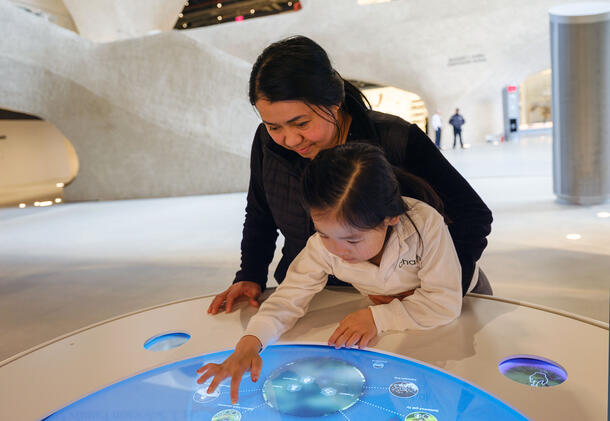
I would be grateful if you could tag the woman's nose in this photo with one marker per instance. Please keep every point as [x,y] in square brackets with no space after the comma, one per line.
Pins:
[292,139]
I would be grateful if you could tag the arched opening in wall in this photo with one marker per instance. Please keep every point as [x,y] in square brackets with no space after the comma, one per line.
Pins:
[391,100]
[36,161]
[535,100]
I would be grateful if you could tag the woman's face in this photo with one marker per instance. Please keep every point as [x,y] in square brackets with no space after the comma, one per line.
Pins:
[298,127]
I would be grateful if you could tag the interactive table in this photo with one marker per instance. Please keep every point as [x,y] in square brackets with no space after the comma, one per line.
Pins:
[499,361]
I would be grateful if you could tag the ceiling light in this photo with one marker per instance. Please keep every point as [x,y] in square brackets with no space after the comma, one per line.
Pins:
[573,236]
[289,4]
[252,11]
[58,200]
[36,203]
[603,214]
[22,205]
[59,185]
[219,18]
[184,25]
[180,15]
[45,203]
[219,5]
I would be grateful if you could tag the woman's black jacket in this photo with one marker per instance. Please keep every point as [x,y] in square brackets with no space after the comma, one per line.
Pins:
[273,200]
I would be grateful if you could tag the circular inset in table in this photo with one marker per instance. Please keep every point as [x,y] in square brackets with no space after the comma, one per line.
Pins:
[314,387]
[166,341]
[227,415]
[420,416]
[533,371]
[403,389]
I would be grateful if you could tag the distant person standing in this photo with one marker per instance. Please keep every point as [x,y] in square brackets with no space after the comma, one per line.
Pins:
[457,121]
[437,125]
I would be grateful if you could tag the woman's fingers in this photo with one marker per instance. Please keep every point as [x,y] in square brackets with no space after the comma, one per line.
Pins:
[217,302]
[234,293]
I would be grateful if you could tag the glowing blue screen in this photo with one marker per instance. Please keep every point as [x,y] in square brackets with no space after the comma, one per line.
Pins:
[298,382]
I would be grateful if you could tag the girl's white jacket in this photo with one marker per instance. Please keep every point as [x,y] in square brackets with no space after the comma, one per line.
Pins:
[430,266]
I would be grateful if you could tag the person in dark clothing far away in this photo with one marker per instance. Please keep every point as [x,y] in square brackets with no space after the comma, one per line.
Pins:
[306,107]
[457,121]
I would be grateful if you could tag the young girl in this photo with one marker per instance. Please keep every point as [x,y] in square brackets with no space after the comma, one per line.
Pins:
[367,235]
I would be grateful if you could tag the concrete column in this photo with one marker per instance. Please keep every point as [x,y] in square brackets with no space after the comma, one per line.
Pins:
[580,61]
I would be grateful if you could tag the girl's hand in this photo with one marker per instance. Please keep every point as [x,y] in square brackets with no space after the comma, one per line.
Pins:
[244,358]
[357,328]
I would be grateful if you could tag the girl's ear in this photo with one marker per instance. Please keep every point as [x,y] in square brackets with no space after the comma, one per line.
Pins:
[391,221]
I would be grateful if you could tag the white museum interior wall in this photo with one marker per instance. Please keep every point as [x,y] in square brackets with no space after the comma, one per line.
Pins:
[168,115]
[36,161]
[156,116]
[53,11]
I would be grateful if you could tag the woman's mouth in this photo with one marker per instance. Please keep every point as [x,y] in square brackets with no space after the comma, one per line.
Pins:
[304,150]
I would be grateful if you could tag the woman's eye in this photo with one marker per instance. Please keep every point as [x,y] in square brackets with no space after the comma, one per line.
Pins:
[272,129]
[303,124]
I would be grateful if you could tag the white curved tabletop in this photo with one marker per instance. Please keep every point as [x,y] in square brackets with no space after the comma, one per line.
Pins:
[42,380]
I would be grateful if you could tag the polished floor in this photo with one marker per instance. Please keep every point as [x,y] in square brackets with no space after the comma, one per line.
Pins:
[71,265]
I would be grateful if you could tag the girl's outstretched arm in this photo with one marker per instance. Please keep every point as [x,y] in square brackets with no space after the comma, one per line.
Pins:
[244,358]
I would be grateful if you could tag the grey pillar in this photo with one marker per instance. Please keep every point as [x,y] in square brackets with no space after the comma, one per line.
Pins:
[580,61]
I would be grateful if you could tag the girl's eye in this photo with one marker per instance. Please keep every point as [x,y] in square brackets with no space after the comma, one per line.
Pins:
[303,124]
[272,129]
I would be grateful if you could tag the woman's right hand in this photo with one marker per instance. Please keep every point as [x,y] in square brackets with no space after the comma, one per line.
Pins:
[239,291]
[244,358]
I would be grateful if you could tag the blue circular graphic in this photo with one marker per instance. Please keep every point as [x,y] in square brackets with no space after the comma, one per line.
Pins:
[314,387]
[533,371]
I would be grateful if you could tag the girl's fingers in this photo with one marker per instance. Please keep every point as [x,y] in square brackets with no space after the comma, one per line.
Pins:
[354,338]
[235,381]
[366,339]
[255,369]
[205,376]
[342,339]
[338,332]
[205,367]
[217,379]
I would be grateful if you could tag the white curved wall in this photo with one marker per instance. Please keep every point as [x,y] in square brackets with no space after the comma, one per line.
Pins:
[111,20]
[157,116]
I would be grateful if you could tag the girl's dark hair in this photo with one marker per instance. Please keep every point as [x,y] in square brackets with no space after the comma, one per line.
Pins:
[357,182]
[297,68]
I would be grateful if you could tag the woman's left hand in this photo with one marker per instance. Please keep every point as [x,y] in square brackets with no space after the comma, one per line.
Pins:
[357,328]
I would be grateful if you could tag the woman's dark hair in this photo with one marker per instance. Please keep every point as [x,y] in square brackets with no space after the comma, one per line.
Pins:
[357,182]
[297,68]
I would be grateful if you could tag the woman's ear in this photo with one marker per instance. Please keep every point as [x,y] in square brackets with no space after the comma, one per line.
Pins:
[391,221]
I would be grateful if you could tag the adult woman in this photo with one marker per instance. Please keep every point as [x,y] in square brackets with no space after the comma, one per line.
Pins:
[306,107]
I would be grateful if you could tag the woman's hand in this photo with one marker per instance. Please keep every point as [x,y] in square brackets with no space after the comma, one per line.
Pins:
[244,358]
[357,328]
[240,291]
[386,299]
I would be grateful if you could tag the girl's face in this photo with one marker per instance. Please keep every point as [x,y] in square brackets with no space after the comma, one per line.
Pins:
[351,244]
[295,125]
